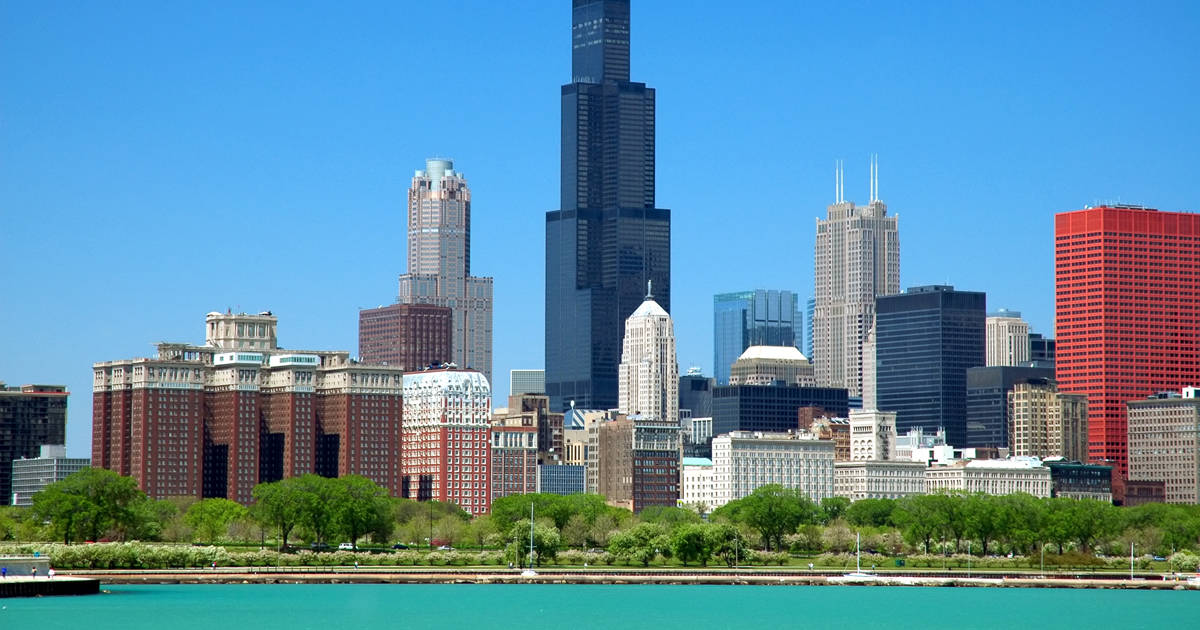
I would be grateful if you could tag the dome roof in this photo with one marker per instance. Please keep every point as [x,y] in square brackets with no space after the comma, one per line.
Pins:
[649,308]
[777,353]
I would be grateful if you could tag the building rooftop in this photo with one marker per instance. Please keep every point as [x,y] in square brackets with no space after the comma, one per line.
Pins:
[777,353]
[697,461]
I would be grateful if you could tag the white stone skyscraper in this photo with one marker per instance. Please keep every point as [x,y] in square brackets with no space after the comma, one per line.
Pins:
[1007,338]
[648,377]
[439,262]
[857,258]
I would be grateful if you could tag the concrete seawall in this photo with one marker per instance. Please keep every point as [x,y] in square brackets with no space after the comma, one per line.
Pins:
[39,587]
[467,576]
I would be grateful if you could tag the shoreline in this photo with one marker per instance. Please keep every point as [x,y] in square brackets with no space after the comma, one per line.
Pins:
[372,575]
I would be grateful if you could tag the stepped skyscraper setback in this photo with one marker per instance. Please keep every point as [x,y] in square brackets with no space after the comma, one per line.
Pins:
[608,239]
[439,262]
[857,259]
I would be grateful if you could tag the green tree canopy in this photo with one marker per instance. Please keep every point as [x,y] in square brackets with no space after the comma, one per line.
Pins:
[771,510]
[210,518]
[89,503]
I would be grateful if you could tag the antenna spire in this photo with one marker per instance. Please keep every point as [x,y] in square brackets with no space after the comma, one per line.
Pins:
[649,293]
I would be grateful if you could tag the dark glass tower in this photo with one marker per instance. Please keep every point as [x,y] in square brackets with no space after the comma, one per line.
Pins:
[607,240]
[925,341]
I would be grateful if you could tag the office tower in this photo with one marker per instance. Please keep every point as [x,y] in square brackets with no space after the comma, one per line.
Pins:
[987,401]
[1164,444]
[771,408]
[445,438]
[533,410]
[772,365]
[514,467]
[648,375]
[1043,423]
[872,435]
[925,340]
[607,239]
[695,394]
[746,460]
[1007,338]
[762,317]
[1126,283]
[439,262]
[1041,350]
[560,478]
[638,463]
[31,475]
[857,259]
[30,416]
[526,382]
[407,336]
[810,306]
[217,419]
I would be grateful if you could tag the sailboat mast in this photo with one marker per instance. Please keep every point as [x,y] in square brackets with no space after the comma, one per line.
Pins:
[531,535]
[858,552]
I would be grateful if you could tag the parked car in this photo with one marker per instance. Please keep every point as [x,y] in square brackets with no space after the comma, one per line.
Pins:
[319,546]
[445,548]
[346,547]
[399,546]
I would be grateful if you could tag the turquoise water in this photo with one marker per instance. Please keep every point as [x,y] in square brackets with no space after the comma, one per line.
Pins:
[327,606]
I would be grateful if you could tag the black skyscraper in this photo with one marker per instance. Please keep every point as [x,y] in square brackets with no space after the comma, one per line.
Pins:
[925,341]
[608,239]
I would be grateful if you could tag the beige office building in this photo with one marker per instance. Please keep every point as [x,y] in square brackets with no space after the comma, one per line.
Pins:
[1045,423]
[1164,444]
[768,365]
[439,262]
[991,476]
[857,258]
[878,479]
[648,376]
[872,435]
[745,460]
[1007,338]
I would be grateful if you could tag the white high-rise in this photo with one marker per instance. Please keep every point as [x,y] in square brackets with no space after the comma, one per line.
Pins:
[648,377]
[857,258]
[439,262]
[1007,338]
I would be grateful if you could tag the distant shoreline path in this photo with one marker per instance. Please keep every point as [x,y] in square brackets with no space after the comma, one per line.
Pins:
[467,575]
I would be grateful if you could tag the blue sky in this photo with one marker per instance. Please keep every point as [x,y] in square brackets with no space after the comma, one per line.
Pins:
[162,160]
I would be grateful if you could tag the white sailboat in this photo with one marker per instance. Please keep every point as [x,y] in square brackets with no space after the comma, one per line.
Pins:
[529,572]
[858,572]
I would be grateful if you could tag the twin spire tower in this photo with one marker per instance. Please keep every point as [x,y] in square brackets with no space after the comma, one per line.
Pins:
[839,180]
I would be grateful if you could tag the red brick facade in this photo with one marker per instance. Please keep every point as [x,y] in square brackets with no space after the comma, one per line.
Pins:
[407,336]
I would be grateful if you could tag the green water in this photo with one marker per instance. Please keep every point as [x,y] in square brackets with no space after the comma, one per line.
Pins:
[327,606]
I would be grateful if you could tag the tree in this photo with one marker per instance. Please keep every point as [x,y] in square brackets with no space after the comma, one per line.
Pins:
[773,511]
[360,506]
[88,502]
[871,512]
[832,508]
[575,532]
[691,542]
[837,537]
[546,542]
[727,543]
[668,516]
[278,504]
[319,497]
[917,518]
[210,518]
[985,518]
[642,543]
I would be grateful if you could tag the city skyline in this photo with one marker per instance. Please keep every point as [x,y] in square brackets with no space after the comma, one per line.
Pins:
[201,145]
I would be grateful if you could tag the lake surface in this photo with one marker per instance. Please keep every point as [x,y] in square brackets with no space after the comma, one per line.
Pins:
[575,606]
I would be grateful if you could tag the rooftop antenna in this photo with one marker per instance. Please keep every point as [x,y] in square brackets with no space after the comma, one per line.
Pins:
[649,294]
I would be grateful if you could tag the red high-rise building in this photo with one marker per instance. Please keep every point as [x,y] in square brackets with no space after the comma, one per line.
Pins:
[215,420]
[406,336]
[1127,310]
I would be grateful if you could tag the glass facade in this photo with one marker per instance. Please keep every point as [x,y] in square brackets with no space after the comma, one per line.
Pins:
[926,339]
[987,401]
[607,240]
[559,479]
[762,317]
[770,407]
